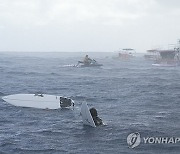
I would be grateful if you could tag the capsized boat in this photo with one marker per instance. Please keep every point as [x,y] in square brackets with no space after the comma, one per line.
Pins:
[41,101]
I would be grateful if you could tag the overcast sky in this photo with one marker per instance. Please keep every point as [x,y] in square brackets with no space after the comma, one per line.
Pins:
[88,25]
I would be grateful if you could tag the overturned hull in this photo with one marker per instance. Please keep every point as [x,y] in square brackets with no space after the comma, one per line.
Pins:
[41,101]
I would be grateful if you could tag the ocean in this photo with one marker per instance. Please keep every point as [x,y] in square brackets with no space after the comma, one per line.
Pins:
[130,96]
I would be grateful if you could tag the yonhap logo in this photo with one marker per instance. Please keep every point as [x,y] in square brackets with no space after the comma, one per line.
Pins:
[133,140]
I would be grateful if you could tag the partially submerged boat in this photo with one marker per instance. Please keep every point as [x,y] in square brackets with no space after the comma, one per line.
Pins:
[41,101]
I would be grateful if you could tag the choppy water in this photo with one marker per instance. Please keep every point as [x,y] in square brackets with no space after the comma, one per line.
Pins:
[130,96]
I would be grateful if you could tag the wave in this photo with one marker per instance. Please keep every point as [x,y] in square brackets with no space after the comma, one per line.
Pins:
[39,151]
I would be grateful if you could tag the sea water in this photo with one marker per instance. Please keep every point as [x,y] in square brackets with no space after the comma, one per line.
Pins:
[130,96]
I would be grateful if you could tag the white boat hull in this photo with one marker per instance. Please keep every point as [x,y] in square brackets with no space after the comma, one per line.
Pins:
[41,101]
[86,116]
